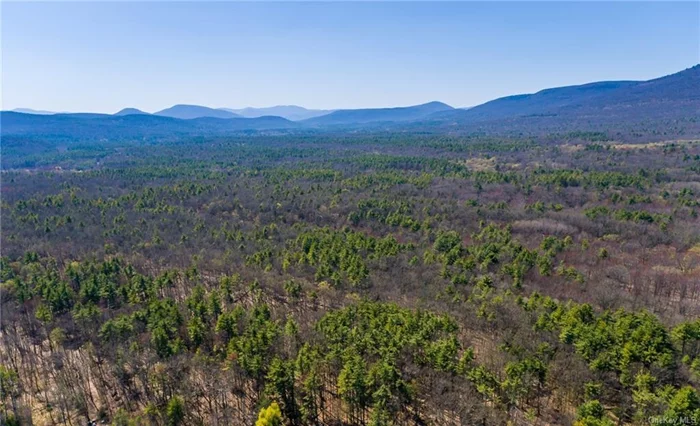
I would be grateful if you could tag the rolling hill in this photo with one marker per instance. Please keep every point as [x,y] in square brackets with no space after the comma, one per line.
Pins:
[33,111]
[290,112]
[377,115]
[588,106]
[131,111]
[69,127]
[547,101]
[187,112]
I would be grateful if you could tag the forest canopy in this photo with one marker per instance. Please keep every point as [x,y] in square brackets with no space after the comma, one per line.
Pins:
[352,279]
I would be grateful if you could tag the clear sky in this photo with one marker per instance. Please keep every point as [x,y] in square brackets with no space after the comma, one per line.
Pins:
[97,56]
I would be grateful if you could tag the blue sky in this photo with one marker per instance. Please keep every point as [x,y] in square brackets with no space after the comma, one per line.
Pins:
[97,56]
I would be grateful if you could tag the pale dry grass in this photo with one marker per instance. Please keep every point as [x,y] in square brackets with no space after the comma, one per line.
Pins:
[480,164]
[569,148]
[544,226]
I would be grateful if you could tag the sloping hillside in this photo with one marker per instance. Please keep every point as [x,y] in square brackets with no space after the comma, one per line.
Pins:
[671,102]
[132,126]
[131,111]
[187,112]
[370,115]
[676,94]
[290,112]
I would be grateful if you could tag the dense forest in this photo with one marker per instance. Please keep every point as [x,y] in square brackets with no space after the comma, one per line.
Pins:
[365,278]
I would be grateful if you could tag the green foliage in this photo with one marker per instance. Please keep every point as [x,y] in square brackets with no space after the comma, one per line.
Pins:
[592,413]
[9,383]
[685,403]
[175,411]
[687,335]
[385,211]
[270,416]
[639,216]
[251,349]
[280,385]
[616,341]
[371,372]
[447,241]
[339,256]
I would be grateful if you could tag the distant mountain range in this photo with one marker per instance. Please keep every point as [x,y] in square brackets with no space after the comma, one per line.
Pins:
[129,126]
[33,111]
[593,105]
[671,99]
[290,112]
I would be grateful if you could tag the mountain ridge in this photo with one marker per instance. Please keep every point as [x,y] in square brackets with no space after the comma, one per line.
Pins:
[290,112]
[130,126]
[187,112]
[33,111]
[378,115]
[130,111]
[674,95]
[611,105]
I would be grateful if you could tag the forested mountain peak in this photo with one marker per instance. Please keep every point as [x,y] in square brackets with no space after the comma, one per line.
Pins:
[130,111]
[194,111]
[372,115]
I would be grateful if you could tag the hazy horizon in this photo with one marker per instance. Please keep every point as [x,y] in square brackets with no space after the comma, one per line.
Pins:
[102,57]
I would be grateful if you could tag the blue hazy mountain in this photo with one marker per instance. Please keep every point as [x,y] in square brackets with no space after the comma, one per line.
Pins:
[33,111]
[131,111]
[545,101]
[670,97]
[290,112]
[375,115]
[68,127]
[601,105]
[187,112]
